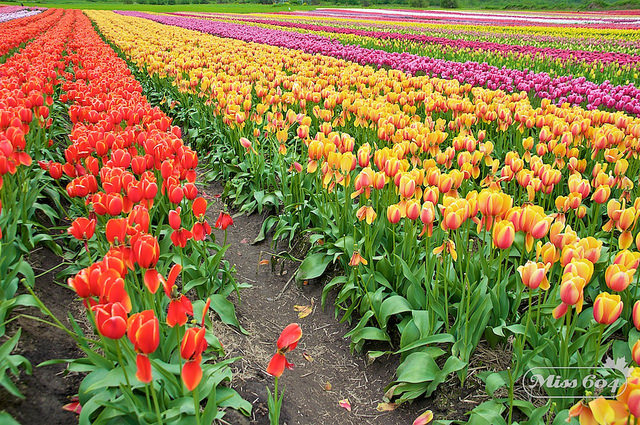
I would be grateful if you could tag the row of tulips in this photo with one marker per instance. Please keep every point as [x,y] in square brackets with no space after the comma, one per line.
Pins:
[18,31]
[452,225]
[28,126]
[21,13]
[569,21]
[454,50]
[564,89]
[595,41]
[139,226]
[532,52]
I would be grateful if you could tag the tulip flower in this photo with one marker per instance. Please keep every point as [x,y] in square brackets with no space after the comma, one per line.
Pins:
[357,259]
[116,230]
[224,220]
[191,349]
[366,213]
[144,333]
[174,218]
[146,250]
[618,277]
[607,308]
[287,341]
[636,315]
[534,275]
[179,306]
[424,418]
[111,320]
[503,234]
[393,214]
[82,228]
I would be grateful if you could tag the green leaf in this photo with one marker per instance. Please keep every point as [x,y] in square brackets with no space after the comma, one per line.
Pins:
[7,419]
[313,266]
[433,339]
[495,381]
[393,305]
[487,413]
[226,310]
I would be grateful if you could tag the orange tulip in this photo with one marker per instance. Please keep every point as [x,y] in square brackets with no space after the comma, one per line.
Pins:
[393,214]
[618,277]
[607,308]
[503,234]
[366,213]
[534,275]
[636,315]
[357,259]
[413,209]
[635,353]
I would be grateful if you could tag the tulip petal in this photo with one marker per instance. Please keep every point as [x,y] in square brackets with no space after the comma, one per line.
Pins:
[276,365]
[424,419]
[344,403]
[191,374]
[290,336]
[144,368]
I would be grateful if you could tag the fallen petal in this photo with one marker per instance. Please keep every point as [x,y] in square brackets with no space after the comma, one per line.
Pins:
[386,407]
[303,310]
[344,403]
[73,407]
[424,419]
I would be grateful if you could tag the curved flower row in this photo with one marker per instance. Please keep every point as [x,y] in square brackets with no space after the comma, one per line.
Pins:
[609,33]
[18,31]
[21,13]
[535,53]
[590,42]
[473,18]
[594,71]
[575,91]
[27,81]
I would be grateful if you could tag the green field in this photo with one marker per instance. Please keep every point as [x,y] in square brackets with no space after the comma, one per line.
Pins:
[395,4]
[216,7]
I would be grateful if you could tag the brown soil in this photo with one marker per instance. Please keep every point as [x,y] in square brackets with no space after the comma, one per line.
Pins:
[49,387]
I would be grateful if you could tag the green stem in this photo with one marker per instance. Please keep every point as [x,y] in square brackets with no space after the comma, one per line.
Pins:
[124,369]
[196,404]
[155,403]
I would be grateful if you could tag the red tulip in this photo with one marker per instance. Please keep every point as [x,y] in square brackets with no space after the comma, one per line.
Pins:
[174,218]
[287,341]
[179,306]
[191,349]
[82,228]
[144,331]
[111,320]
[146,250]
[199,207]
[117,230]
[224,220]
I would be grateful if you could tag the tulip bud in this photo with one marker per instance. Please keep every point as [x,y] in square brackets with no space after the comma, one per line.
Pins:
[635,354]
[503,234]
[607,308]
[393,214]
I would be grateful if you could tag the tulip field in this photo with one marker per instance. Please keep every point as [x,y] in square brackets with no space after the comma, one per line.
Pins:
[460,187]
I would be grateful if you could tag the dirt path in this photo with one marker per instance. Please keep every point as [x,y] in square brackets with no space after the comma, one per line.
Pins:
[49,387]
[264,311]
